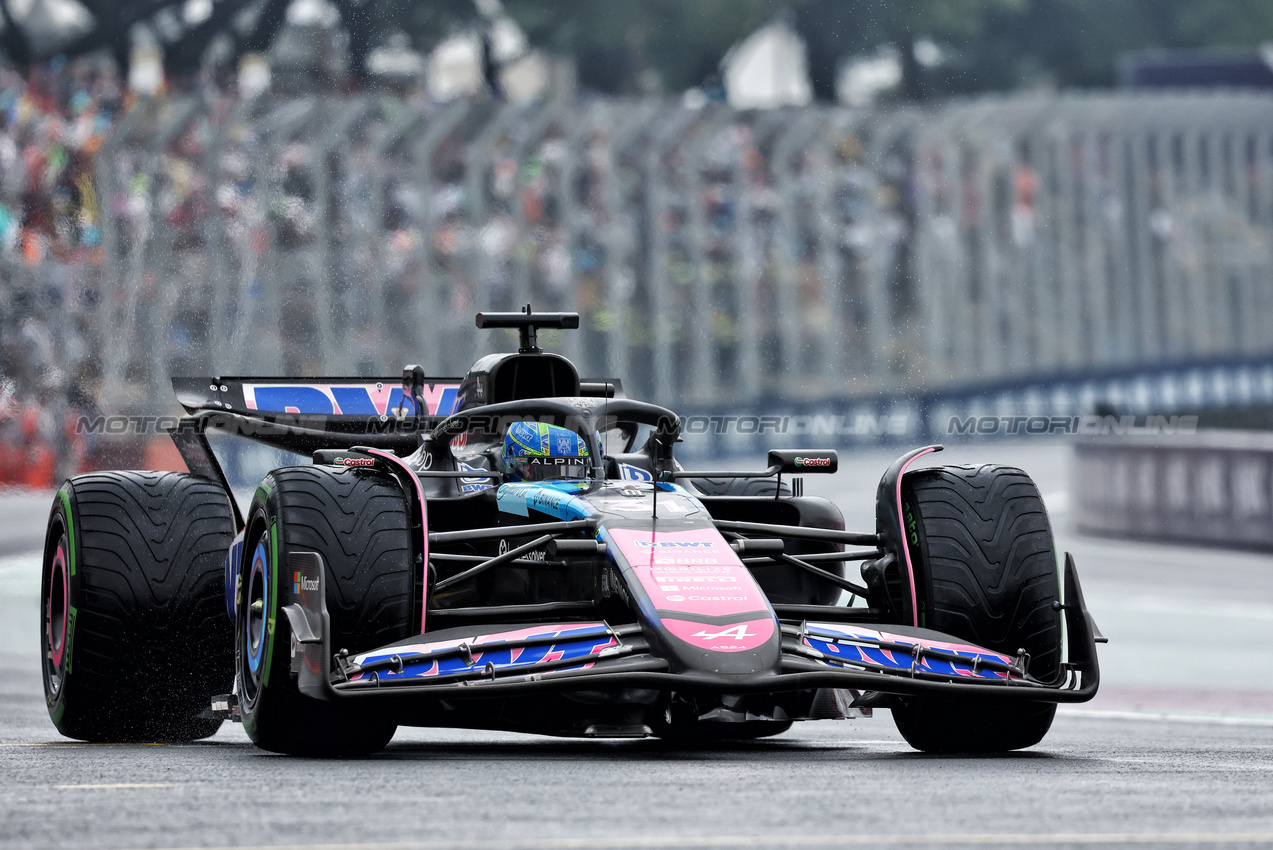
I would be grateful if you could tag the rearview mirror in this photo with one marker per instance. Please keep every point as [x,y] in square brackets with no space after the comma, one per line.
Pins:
[796,461]
[659,445]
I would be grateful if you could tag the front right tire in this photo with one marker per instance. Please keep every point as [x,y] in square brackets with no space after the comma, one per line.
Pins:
[357,522]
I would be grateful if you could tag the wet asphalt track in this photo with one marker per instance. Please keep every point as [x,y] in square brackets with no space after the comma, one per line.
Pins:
[1176,751]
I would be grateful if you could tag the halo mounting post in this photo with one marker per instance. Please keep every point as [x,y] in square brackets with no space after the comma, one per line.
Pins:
[528,324]
[412,388]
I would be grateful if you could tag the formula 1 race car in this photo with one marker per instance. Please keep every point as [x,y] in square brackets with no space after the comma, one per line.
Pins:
[520,550]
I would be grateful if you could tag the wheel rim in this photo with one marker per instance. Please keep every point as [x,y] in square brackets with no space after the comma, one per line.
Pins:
[255,621]
[57,609]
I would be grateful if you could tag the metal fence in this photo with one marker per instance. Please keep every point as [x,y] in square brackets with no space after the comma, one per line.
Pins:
[1210,489]
[1083,232]
[716,256]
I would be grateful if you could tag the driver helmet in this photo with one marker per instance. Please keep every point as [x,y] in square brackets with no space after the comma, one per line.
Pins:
[536,451]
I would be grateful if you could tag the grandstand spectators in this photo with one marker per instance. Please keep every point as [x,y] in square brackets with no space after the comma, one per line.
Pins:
[716,256]
[52,124]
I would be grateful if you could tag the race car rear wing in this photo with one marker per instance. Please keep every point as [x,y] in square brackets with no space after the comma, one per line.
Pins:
[341,404]
[348,399]
[305,415]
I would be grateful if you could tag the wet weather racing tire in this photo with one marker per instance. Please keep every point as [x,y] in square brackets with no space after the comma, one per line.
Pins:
[986,572]
[135,640]
[357,522]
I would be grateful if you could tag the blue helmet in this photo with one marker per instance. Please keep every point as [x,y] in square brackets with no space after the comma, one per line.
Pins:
[535,451]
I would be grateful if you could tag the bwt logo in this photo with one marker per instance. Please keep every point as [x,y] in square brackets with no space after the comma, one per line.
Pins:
[378,399]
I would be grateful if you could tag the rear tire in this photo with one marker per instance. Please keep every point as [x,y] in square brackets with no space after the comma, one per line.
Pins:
[358,523]
[135,639]
[985,571]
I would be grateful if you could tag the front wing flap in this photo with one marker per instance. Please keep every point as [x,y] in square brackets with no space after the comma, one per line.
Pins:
[596,655]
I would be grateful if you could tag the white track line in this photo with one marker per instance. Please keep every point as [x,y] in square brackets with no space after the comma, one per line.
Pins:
[656,841]
[114,785]
[1169,717]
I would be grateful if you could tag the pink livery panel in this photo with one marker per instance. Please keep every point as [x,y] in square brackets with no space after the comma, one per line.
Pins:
[696,574]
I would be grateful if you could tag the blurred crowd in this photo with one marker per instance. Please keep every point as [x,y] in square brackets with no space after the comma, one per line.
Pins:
[350,235]
[52,124]
[200,233]
[716,257]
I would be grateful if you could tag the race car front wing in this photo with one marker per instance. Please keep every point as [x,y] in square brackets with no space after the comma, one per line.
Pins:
[596,655]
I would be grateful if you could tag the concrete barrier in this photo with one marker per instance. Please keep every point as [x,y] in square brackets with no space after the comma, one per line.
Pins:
[1212,487]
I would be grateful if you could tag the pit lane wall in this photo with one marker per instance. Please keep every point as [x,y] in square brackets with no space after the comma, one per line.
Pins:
[1212,488]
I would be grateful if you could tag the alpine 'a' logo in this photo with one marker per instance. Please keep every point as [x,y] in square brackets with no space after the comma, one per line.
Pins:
[737,632]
